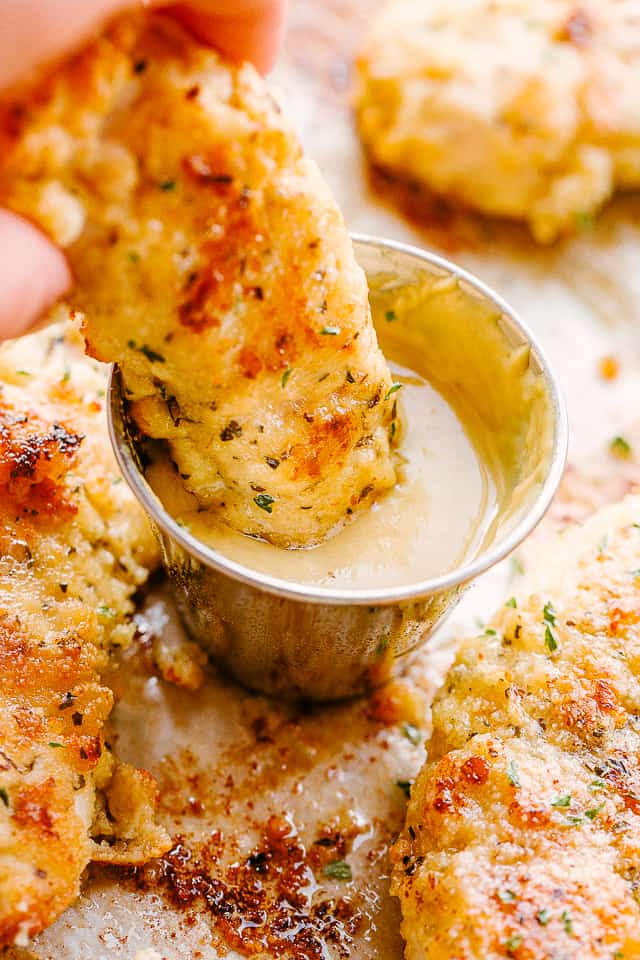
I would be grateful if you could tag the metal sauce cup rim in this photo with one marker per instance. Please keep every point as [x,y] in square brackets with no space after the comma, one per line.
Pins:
[378,596]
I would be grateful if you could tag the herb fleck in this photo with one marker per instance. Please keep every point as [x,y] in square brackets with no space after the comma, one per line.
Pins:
[104,611]
[405,786]
[150,354]
[597,784]
[4,796]
[285,377]
[264,501]
[330,331]
[231,431]
[543,916]
[513,776]
[167,185]
[550,641]
[567,921]
[511,602]
[563,801]
[573,820]
[338,870]
[507,896]
[549,613]
[412,733]
[513,943]
[390,392]
[54,744]
[620,448]
[390,316]
[583,220]
[594,811]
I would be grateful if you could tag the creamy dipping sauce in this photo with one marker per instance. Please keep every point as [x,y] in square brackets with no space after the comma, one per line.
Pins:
[438,514]
[473,442]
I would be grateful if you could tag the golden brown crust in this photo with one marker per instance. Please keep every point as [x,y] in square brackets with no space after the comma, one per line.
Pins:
[518,112]
[66,581]
[523,830]
[212,263]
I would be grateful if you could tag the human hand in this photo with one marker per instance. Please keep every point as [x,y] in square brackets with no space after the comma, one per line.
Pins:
[34,273]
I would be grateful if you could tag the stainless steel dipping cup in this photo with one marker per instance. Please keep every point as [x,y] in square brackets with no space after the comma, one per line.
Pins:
[314,642]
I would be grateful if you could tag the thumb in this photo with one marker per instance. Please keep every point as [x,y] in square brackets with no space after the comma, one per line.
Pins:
[33,274]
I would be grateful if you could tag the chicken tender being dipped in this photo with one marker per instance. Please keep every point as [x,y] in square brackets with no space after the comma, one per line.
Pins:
[518,110]
[522,836]
[213,265]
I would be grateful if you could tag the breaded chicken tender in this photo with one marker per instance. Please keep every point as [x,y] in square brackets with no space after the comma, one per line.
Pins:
[74,547]
[522,836]
[523,110]
[212,263]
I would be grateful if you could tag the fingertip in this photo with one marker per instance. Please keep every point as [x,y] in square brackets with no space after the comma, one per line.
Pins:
[33,274]
[242,30]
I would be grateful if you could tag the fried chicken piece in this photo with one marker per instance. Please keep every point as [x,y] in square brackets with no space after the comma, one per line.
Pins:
[523,111]
[522,836]
[74,547]
[212,263]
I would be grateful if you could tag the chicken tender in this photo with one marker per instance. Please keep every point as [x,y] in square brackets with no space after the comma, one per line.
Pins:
[520,110]
[212,263]
[522,836]
[74,547]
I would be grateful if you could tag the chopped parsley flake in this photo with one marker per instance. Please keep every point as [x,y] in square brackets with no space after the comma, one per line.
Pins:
[620,448]
[383,642]
[394,389]
[412,733]
[549,613]
[24,373]
[338,870]
[513,943]
[285,377]
[264,501]
[390,316]
[54,744]
[490,632]
[597,784]
[405,786]
[105,611]
[330,331]
[563,801]
[594,811]
[550,641]
[507,896]
[150,354]
[567,921]
[604,543]
[134,256]
[543,916]
[513,776]
[583,220]
[167,185]
[573,821]
[4,796]
[66,376]
[511,602]
[517,567]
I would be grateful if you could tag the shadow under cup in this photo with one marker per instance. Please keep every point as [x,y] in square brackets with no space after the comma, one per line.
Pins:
[315,642]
